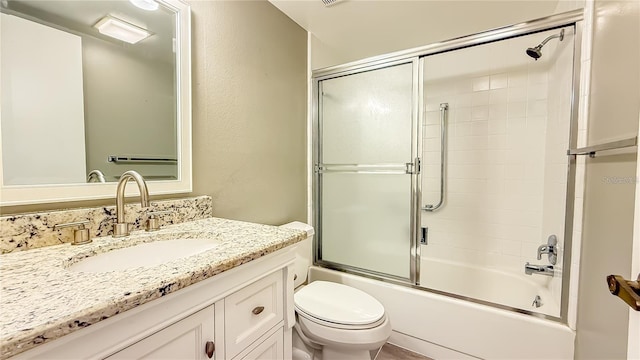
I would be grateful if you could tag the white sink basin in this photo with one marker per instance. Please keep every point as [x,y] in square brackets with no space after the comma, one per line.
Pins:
[145,254]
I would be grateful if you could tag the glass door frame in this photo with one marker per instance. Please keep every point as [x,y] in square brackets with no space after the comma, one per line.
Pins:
[570,18]
[415,180]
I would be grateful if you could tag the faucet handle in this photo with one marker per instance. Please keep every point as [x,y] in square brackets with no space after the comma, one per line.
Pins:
[152,223]
[542,249]
[81,235]
[549,248]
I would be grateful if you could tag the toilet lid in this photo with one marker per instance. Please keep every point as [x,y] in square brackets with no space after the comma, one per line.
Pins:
[338,303]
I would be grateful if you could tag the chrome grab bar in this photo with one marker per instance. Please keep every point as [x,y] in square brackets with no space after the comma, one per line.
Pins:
[444,107]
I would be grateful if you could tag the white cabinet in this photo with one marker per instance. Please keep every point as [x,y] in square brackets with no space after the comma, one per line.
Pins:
[251,312]
[186,339]
[245,313]
[271,348]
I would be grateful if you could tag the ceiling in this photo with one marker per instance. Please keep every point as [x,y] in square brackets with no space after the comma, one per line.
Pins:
[79,17]
[351,30]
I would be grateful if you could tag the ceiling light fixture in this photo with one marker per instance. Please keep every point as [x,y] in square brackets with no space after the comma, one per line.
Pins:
[331,2]
[121,30]
[149,5]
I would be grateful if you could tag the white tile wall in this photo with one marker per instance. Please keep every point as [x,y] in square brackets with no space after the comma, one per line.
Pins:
[506,160]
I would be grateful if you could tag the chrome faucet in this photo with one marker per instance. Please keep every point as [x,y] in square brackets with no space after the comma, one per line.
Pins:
[549,248]
[96,176]
[121,228]
[530,269]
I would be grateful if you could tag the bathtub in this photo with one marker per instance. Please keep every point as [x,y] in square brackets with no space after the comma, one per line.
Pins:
[489,285]
[442,327]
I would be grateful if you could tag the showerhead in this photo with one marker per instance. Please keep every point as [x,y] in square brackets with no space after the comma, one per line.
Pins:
[536,52]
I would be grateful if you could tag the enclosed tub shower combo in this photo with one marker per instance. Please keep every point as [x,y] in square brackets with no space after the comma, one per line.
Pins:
[443,184]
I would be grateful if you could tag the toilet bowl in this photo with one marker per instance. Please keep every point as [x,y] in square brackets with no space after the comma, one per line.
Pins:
[333,321]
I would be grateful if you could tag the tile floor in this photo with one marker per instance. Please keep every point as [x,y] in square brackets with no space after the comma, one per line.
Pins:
[392,352]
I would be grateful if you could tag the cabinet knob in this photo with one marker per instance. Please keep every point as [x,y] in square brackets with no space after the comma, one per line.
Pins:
[257,310]
[210,348]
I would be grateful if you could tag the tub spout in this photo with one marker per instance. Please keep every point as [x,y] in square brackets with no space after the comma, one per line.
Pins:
[531,269]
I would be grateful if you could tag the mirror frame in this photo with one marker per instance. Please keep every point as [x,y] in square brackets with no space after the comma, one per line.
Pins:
[36,194]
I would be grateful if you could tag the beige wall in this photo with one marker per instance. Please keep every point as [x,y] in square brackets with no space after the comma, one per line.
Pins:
[136,119]
[249,113]
[610,181]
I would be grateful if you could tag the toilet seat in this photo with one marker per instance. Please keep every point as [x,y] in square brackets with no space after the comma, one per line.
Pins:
[338,325]
[338,306]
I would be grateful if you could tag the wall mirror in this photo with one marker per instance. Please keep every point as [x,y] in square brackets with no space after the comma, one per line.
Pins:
[89,90]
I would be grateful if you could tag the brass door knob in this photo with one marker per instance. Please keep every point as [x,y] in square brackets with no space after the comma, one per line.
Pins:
[628,291]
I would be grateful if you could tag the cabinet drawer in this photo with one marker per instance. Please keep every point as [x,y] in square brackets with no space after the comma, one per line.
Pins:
[272,348]
[252,311]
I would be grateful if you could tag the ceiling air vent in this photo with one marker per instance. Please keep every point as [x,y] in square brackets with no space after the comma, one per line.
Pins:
[330,2]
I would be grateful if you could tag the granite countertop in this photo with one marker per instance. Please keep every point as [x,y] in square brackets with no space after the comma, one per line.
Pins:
[41,300]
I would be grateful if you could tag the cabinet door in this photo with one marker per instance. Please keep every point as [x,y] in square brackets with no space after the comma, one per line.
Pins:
[186,339]
[272,348]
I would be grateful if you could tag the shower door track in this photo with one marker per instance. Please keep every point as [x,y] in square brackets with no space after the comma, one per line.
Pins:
[416,55]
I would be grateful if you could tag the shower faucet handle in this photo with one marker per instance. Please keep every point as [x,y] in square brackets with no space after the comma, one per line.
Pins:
[549,248]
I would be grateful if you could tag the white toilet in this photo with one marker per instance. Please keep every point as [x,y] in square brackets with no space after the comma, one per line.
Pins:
[333,321]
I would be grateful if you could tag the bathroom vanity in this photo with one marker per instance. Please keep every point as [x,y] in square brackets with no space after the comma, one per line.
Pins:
[231,301]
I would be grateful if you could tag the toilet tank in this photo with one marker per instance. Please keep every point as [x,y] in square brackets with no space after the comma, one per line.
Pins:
[304,251]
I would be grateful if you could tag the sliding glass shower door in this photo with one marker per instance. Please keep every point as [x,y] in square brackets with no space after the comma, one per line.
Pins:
[365,170]
[446,168]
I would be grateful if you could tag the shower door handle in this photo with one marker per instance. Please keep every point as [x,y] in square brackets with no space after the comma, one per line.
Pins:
[371,169]
[414,167]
